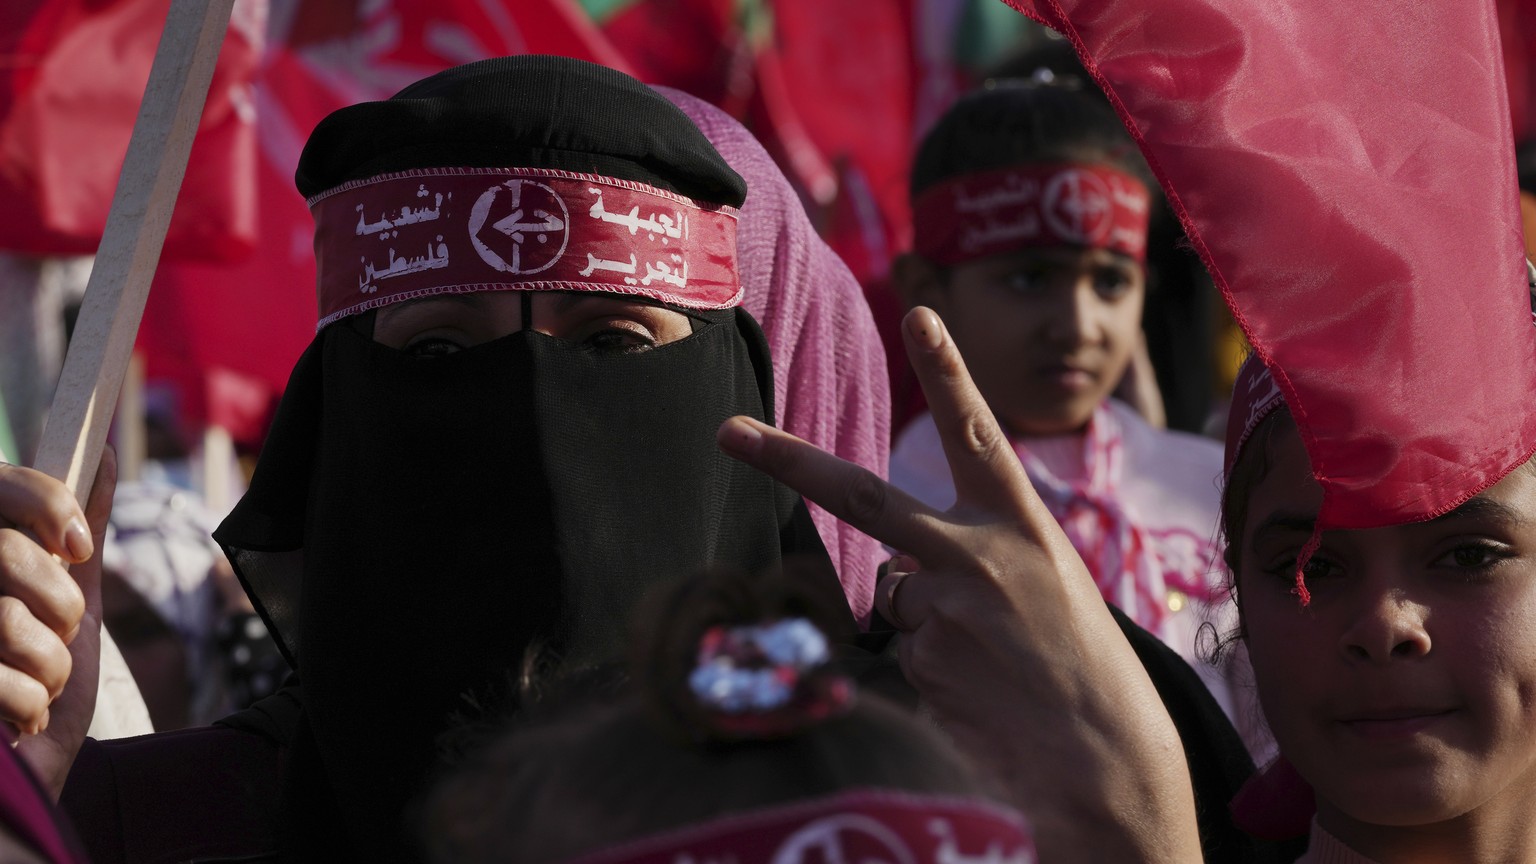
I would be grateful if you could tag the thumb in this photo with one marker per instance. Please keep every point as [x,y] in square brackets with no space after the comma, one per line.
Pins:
[51,753]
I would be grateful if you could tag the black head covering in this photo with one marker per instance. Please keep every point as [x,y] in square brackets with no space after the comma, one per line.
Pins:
[528,111]
[416,528]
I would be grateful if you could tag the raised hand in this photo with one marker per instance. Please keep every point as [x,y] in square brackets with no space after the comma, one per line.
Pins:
[1005,635]
[50,616]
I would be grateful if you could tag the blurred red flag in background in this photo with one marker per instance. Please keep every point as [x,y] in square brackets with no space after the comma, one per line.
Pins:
[839,122]
[72,74]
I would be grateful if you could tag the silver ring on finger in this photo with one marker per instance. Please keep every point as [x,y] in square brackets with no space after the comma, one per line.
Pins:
[891,596]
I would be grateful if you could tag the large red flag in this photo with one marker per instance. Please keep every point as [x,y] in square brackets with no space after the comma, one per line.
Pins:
[227,336]
[1346,171]
[72,74]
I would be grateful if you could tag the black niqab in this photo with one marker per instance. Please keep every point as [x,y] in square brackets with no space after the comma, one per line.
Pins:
[464,511]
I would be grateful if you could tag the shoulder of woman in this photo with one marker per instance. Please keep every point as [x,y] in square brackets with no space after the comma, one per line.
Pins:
[210,788]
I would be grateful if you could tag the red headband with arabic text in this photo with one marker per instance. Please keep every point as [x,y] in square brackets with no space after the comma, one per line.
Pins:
[417,233]
[861,825]
[1029,206]
[1255,395]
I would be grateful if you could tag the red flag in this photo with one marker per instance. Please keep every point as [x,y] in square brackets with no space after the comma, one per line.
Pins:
[703,47]
[72,75]
[782,66]
[823,79]
[227,336]
[1346,170]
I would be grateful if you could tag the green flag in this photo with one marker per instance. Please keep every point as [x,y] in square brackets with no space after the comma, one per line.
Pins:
[7,440]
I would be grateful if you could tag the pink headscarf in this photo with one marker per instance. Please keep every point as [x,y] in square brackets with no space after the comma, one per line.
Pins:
[829,373]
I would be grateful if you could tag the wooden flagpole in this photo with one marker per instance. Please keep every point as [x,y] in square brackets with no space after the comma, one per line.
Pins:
[76,429]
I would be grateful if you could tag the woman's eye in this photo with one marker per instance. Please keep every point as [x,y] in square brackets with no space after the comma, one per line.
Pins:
[619,340]
[432,346]
[1473,556]
[1317,568]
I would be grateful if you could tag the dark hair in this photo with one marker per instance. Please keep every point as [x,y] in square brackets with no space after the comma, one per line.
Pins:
[1019,121]
[577,781]
[1525,165]
[1249,470]
[1056,56]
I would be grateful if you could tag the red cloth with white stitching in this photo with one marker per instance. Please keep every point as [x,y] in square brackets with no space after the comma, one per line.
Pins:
[456,230]
[1028,206]
[859,825]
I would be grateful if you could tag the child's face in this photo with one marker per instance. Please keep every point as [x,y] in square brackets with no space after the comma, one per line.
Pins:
[1406,691]
[1046,333]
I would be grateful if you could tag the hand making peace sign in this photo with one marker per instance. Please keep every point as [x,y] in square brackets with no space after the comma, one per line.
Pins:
[1004,633]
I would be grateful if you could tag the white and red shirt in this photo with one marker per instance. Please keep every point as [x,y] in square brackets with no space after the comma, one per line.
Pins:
[1141,506]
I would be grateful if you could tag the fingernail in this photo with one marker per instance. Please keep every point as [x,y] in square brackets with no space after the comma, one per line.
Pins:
[926,328]
[738,437]
[77,540]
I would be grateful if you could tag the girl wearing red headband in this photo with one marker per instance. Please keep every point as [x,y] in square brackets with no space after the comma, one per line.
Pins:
[1395,669]
[1030,208]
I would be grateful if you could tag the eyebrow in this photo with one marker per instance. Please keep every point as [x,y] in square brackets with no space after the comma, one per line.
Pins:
[1484,509]
[470,300]
[1283,522]
[565,301]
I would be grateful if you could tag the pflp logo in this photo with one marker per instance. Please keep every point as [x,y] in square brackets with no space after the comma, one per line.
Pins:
[1262,381]
[1077,206]
[844,839]
[519,226]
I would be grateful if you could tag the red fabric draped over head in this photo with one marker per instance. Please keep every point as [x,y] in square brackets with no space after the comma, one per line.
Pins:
[1346,171]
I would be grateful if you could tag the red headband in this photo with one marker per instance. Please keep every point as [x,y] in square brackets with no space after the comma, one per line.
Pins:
[1029,206]
[1255,395]
[864,825]
[413,234]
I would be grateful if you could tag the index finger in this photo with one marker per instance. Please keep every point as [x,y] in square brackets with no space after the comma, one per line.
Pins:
[850,492]
[986,470]
[44,507]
